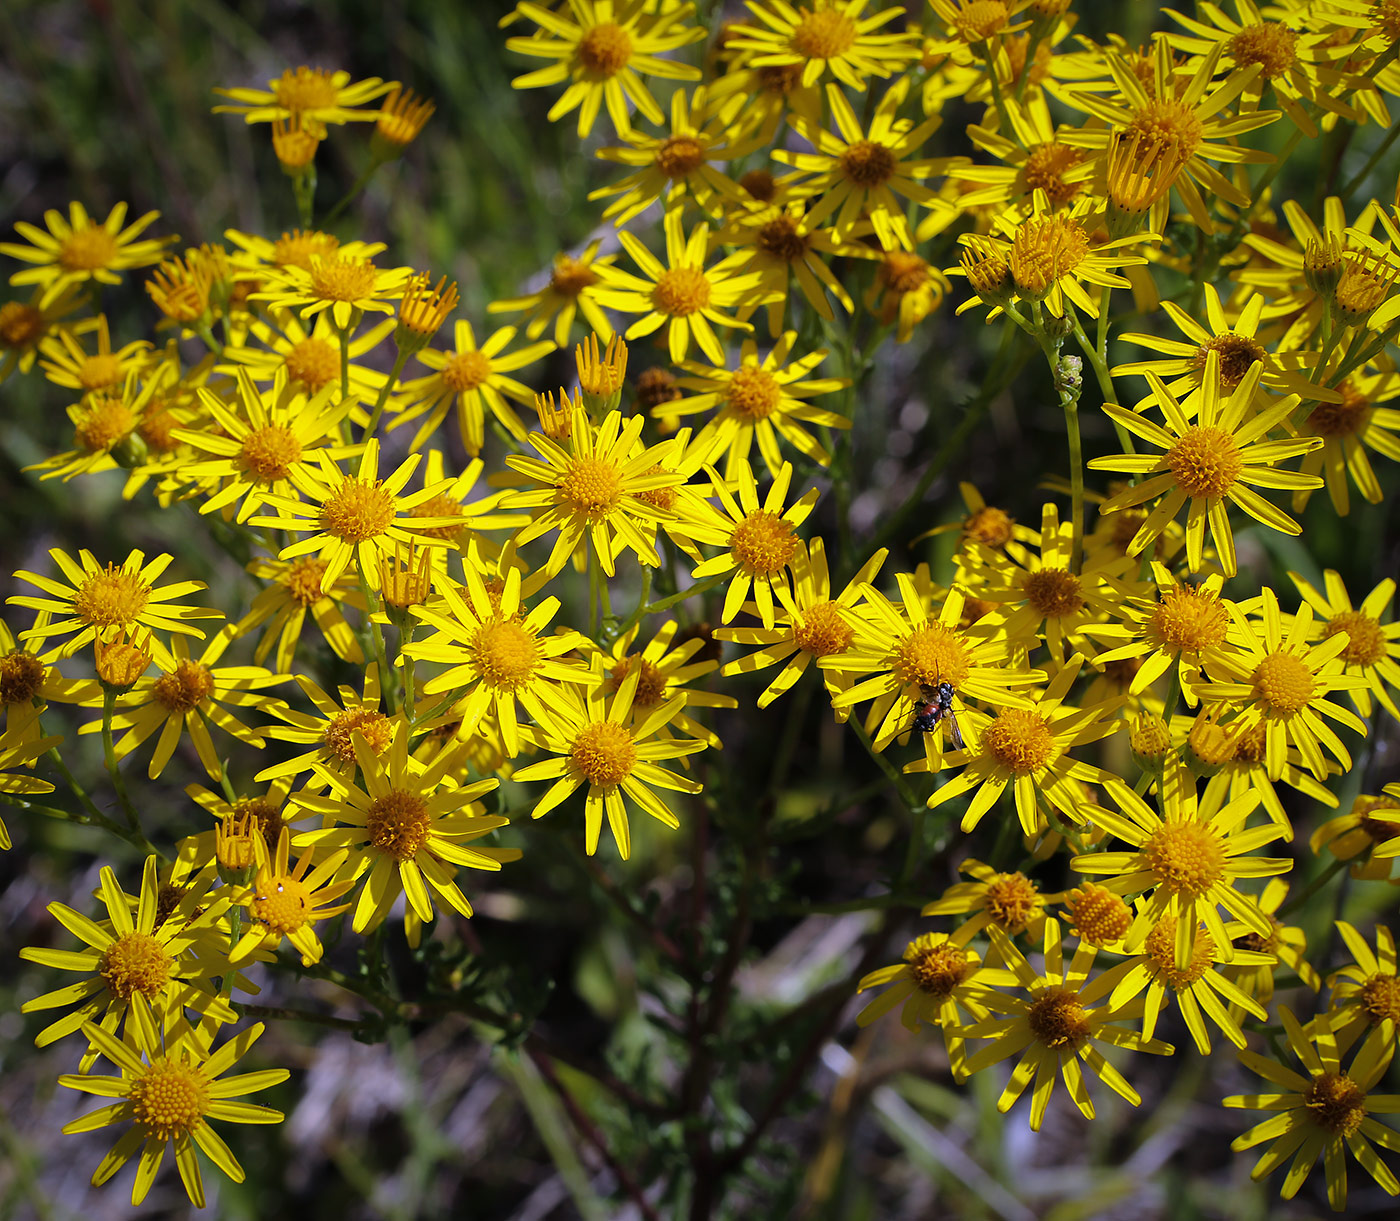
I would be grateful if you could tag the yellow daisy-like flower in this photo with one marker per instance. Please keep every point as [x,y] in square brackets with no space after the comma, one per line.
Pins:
[1054,1027]
[407,828]
[610,746]
[1348,429]
[1365,994]
[1011,902]
[1286,946]
[906,290]
[1189,858]
[475,377]
[823,36]
[684,296]
[760,541]
[108,426]
[759,401]
[1373,645]
[341,283]
[283,901]
[356,519]
[100,603]
[1218,459]
[496,652]
[1282,681]
[571,290]
[79,250]
[593,485]
[860,174]
[1325,1110]
[193,694]
[169,1092]
[1033,161]
[67,363]
[24,325]
[603,50]
[292,591]
[311,96]
[1368,834]
[134,964]
[308,357]
[256,255]
[815,626]
[20,744]
[938,980]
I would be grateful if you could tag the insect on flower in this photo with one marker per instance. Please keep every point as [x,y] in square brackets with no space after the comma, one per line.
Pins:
[937,706]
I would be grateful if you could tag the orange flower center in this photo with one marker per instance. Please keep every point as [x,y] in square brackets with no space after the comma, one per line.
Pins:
[1188,620]
[989,526]
[663,498]
[822,631]
[1057,1019]
[978,20]
[356,512]
[679,156]
[105,422]
[1206,462]
[779,236]
[271,452]
[763,543]
[305,89]
[753,392]
[466,371]
[185,687]
[1270,44]
[282,903]
[1053,592]
[656,386]
[507,655]
[604,50]
[98,371]
[342,279]
[1164,120]
[112,597]
[376,729]
[135,962]
[1187,858]
[1335,1103]
[680,292]
[605,753]
[21,677]
[651,686]
[313,362]
[826,34]
[592,487]
[1045,168]
[1012,901]
[868,163]
[302,247]
[929,655]
[937,965]
[302,580]
[570,276]
[1283,683]
[169,1100]
[1348,418]
[1043,250]
[87,249]
[1160,946]
[1237,353]
[1367,639]
[398,824]
[20,325]
[1020,738]
[1380,998]
[1099,916]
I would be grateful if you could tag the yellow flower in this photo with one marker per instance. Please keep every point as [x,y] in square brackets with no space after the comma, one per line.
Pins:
[312,96]
[1054,1026]
[107,427]
[293,590]
[603,52]
[356,519]
[100,603]
[823,36]
[1034,161]
[475,377]
[79,250]
[20,745]
[67,364]
[571,289]
[300,248]
[1373,646]
[24,325]
[1323,1110]
[134,964]
[401,119]
[1011,902]
[1208,464]
[683,295]
[308,356]
[604,745]
[859,174]
[759,401]
[407,828]
[1368,834]
[1366,993]
[1285,945]
[905,291]
[286,902]
[1348,429]
[341,283]
[169,1097]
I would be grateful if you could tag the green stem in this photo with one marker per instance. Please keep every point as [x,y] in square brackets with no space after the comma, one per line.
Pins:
[1096,354]
[912,801]
[1297,901]
[210,342]
[109,755]
[636,616]
[376,636]
[405,639]
[355,188]
[72,781]
[235,932]
[304,189]
[384,391]
[691,591]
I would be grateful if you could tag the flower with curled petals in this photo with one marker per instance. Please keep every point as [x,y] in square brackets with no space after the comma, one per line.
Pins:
[78,250]
[823,36]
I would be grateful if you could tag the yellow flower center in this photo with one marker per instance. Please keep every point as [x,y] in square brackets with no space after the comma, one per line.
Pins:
[135,962]
[302,247]
[1283,683]
[271,452]
[592,487]
[20,325]
[1053,592]
[929,655]
[1237,353]
[265,815]
[1012,900]
[937,965]
[1263,945]
[753,392]
[902,272]
[679,156]
[779,236]
[1161,948]
[1020,739]
[1043,250]
[398,824]
[1187,858]
[281,902]
[184,688]
[1250,746]
[604,49]
[1380,998]
[989,526]
[826,34]
[1335,1103]
[233,844]
[1206,462]
[341,279]
[604,752]
[121,663]
[1367,639]
[167,900]
[1365,282]
[822,631]
[507,655]
[868,163]
[1378,830]
[313,363]
[978,20]
[651,686]
[1270,44]
[21,677]
[305,89]
[663,498]
[169,1100]
[680,292]
[302,580]
[105,422]
[763,543]
[356,512]
[1045,168]
[1057,1019]
[570,276]
[441,505]
[1164,120]
[376,729]
[1189,620]
[113,597]
[87,249]
[466,371]
[1385,19]
[1099,916]
[1348,418]
[99,371]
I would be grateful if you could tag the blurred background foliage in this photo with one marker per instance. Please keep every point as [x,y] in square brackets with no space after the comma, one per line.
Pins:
[110,101]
